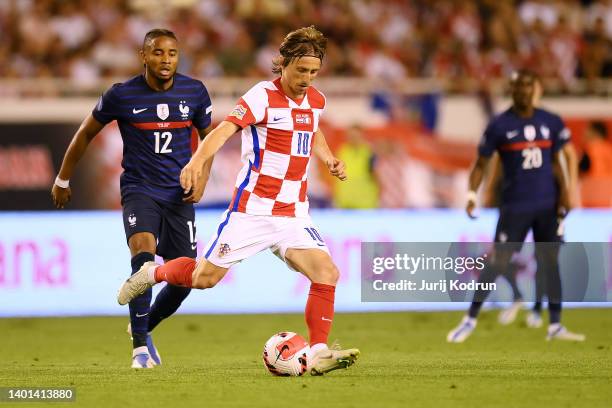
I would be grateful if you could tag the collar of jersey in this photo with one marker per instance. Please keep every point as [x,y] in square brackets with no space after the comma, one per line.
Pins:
[278,85]
[144,80]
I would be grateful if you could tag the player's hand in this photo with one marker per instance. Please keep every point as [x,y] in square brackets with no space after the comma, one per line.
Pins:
[337,168]
[60,196]
[190,175]
[470,209]
[565,204]
[196,192]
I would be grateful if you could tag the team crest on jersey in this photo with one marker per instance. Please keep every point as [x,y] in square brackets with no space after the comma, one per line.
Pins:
[184,110]
[163,111]
[303,119]
[239,112]
[565,134]
[545,132]
[224,249]
[132,220]
[530,133]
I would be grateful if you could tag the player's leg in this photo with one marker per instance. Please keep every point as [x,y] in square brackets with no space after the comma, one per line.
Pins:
[547,234]
[508,315]
[319,268]
[534,317]
[510,276]
[183,272]
[177,238]
[303,249]
[142,248]
[238,236]
[141,219]
[511,230]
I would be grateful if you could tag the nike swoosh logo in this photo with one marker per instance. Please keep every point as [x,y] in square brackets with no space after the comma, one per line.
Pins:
[326,319]
[194,246]
[285,347]
[275,119]
[512,134]
[141,315]
[135,111]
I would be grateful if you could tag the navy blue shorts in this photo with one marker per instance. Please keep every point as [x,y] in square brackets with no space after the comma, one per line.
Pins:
[513,226]
[172,224]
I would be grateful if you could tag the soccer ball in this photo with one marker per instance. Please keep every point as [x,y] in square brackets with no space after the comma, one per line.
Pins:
[286,354]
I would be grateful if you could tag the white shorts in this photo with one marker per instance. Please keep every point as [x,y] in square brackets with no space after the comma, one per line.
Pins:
[241,235]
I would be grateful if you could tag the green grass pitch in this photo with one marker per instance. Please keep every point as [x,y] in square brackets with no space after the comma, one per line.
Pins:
[215,361]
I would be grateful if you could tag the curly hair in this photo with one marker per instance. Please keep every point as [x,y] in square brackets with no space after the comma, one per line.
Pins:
[305,41]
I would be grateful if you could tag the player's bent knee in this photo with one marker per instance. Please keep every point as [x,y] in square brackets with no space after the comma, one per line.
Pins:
[142,242]
[328,274]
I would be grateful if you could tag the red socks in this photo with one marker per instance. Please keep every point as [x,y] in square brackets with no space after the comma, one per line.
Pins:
[176,272]
[319,307]
[320,312]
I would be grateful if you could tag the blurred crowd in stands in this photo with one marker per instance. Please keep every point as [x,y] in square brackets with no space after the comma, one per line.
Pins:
[85,40]
[465,44]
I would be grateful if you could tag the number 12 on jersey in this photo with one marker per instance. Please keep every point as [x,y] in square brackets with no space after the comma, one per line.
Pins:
[162,139]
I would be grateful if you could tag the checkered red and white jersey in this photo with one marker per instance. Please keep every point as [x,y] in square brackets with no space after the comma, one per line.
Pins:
[277,137]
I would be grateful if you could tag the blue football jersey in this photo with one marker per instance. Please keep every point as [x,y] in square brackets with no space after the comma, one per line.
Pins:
[526,147]
[156,128]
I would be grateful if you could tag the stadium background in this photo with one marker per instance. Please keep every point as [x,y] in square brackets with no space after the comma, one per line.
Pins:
[410,87]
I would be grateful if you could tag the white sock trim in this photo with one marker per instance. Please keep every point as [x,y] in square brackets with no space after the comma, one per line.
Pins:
[151,274]
[140,350]
[471,320]
[315,348]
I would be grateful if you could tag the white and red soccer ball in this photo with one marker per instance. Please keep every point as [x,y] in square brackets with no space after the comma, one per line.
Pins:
[286,354]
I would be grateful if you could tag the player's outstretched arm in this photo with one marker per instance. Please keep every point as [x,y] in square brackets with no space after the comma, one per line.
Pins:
[562,177]
[491,183]
[336,167]
[194,170]
[571,159]
[81,139]
[476,175]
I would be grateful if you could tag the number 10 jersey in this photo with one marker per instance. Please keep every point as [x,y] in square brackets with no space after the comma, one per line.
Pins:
[277,140]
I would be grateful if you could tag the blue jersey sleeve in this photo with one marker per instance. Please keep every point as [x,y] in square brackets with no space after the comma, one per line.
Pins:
[560,134]
[108,107]
[202,117]
[488,143]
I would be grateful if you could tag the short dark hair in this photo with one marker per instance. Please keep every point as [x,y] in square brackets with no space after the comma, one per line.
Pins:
[155,33]
[600,128]
[305,41]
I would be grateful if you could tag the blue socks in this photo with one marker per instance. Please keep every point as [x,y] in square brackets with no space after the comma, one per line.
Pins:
[144,317]
[166,303]
[139,307]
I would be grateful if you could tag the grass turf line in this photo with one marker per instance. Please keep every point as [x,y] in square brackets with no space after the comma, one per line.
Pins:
[215,361]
